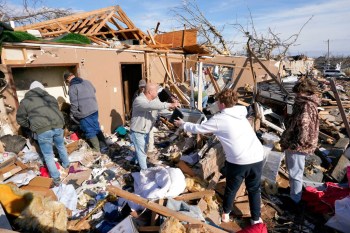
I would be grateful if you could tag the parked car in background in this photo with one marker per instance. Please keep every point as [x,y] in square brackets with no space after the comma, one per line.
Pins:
[334,73]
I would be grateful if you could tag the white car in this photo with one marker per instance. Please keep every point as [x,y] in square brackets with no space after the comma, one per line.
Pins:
[334,73]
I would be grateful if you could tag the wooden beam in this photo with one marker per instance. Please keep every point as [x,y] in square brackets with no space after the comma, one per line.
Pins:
[104,21]
[118,18]
[53,33]
[62,27]
[172,84]
[159,209]
[155,216]
[125,18]
[92,20]
[185,168]
[117,32]
[151,36]
[268,71]
[97,23]
[128,22]
[98,40]
[200,87]
[81,26]
[66,19]
[213,81]
[340,106]
[120,28]
[149,229]
[194,196]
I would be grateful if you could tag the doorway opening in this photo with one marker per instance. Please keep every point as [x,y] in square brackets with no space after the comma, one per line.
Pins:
[131,75]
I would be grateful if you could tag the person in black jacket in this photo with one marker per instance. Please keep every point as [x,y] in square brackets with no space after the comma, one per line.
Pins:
[39,111]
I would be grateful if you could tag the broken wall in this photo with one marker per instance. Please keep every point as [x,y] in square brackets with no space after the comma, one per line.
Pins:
[99,65]
[242,71]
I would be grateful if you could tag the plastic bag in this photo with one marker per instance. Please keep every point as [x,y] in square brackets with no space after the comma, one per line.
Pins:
[340,221]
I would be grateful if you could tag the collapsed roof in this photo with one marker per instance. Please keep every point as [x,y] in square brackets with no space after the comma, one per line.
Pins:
[98,25]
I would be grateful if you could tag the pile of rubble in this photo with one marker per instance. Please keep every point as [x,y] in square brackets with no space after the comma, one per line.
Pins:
[184,184]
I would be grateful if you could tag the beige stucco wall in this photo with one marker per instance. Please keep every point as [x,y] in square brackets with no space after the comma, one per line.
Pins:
[242,68]
[101,66]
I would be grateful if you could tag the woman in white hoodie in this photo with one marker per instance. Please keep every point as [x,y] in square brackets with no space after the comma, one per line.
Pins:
[243,151]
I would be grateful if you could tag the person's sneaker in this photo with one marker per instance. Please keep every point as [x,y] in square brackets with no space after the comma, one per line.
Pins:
[225,217]
[253,222]
[104,150]
[56,183]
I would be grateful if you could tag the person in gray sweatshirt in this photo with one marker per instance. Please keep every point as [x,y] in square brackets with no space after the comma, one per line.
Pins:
[144,113]
[84,110]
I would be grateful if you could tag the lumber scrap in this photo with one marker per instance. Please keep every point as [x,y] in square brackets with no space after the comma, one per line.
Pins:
[195,195]
[155,216]
[340,106]
[185,168]
[269,72]
[213,81]
[158,208]
[148,229]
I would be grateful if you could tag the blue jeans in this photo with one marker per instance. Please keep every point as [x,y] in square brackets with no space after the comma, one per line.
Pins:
[90,125]
[295,163]
[235,174]
[45,141]
[140,141]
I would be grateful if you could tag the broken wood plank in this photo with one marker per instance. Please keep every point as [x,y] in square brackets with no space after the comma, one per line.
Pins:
[340,106]
[194,196]
[155,216]
[269,73]
[213,81]
[200,86]
[158,208]
[148,229]
[185,168]
[339,170]
[339,148]
[326,137]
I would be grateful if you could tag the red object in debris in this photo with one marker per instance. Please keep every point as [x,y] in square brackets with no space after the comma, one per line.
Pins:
[323,201]
[256,228]
[74,137]
[45,172]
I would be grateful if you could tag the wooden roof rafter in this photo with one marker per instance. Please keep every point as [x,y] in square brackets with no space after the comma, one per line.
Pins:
[98,24]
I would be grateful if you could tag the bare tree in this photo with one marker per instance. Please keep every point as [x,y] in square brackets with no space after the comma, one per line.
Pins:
[32,11]
[265,45]
[192,17]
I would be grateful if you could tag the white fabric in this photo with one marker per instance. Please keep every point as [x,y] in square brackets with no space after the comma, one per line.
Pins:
[340,221]
[236,135]
[159,182]
[67,195]
[36,84]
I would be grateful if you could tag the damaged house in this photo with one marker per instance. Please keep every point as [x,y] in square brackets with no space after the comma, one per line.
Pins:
[116,57]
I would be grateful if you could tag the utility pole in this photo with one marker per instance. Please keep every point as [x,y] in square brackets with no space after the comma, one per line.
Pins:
[328,51]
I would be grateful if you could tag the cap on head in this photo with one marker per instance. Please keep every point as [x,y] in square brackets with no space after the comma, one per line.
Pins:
[142,83]
[36,84]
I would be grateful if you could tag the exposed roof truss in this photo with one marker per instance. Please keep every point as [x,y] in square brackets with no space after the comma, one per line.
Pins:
[99,26]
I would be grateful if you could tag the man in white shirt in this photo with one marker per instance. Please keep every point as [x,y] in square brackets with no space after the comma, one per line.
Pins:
[243,151]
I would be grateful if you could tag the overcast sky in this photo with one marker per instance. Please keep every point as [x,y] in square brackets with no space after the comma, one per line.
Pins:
[330,19]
